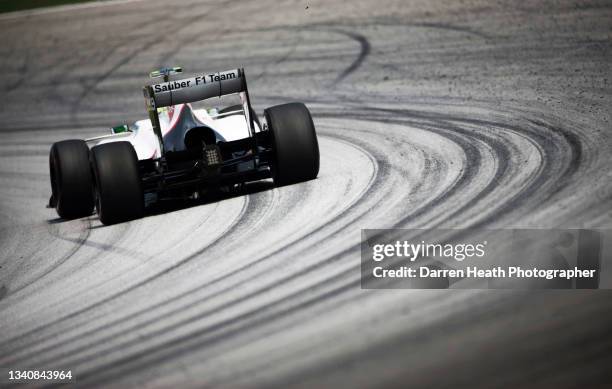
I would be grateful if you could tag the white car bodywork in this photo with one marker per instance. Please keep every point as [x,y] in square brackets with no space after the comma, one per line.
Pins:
[227,127]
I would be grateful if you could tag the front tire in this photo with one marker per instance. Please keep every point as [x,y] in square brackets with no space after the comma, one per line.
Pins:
[294,143]
[71,179]
[119,195]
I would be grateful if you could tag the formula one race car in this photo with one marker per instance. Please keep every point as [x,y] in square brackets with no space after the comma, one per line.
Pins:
[184,149]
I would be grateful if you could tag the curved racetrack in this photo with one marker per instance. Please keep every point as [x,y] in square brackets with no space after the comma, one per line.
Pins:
[429,114]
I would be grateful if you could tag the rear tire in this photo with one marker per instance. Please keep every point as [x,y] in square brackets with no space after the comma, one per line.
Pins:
[119,195]
[294,143]
[71,179]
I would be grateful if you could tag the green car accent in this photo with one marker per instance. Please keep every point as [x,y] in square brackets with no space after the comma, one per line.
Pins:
[120,129]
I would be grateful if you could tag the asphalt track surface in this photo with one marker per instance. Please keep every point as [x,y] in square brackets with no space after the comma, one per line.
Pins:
[429,114]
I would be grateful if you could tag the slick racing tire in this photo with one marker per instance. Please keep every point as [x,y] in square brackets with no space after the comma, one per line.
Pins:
[71,179]
[118,188]
[294,142]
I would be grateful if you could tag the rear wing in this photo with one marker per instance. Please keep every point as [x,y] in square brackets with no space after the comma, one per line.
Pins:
[200,87]
[188,90]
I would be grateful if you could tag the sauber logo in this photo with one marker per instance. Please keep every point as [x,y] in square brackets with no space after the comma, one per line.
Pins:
[198,80]
[172,85]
